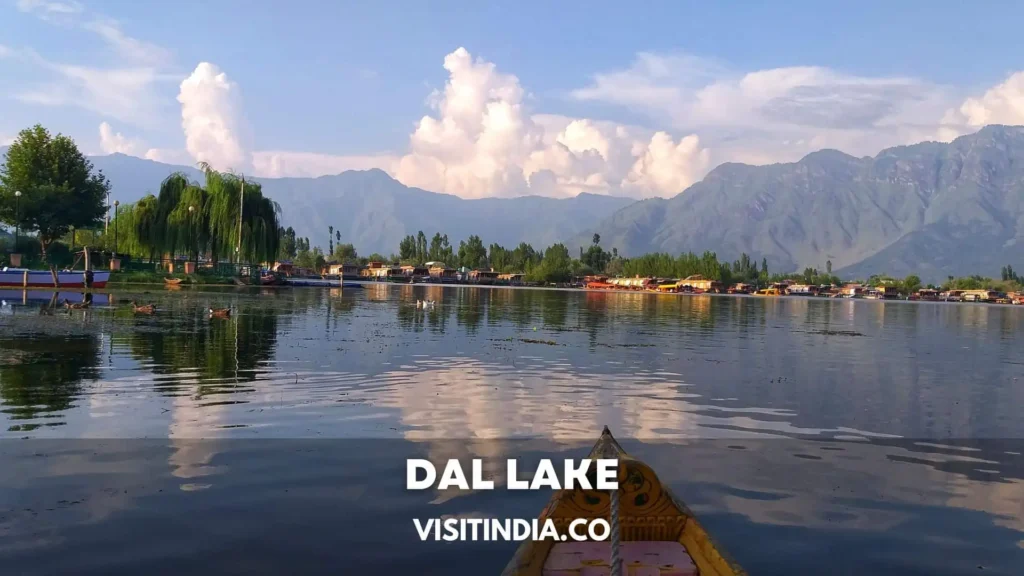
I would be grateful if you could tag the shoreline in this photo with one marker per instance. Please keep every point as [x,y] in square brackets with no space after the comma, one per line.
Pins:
[113,287]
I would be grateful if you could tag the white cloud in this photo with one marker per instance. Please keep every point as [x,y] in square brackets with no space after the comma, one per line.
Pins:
[281,163]
[484,142]
[125,94]
[114,142]
[46,9]
[1002,104]
[126,46]
[169,156]
[211,119]
[777,114]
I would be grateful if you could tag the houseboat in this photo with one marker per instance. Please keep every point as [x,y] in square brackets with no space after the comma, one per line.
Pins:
[25,278]
[343,271]
[740,289]
[700,284]
[416,273]
[887,292]
[636,283]
[802,290]
[980,296]
[773,290]
[511,279]
[852,291]
[483,276]
[441,273]
[597,283]
[927,295]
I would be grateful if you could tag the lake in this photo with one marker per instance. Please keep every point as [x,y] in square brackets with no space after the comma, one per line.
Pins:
[811,436]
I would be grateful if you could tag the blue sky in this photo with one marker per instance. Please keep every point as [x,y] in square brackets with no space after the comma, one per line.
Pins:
[547,97]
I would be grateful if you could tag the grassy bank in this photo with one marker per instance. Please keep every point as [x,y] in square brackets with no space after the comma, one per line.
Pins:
[146,277]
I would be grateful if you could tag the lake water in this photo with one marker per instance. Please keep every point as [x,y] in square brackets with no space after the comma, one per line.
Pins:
[810,436]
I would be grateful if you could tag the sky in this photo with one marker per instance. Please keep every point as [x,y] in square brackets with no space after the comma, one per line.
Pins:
[484,99]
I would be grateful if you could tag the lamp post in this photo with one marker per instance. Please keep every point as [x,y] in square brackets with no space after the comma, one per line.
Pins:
[17,218]
[117,247]
[191,237]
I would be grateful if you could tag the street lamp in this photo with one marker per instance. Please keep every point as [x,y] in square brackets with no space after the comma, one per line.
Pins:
[17,217]
[191,237]
[117,247]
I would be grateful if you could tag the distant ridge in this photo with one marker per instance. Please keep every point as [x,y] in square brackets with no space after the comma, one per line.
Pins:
[932,209]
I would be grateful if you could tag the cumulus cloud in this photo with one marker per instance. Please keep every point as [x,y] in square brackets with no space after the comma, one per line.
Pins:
[483,141]
[1002,104]
[114,142]
[211,119]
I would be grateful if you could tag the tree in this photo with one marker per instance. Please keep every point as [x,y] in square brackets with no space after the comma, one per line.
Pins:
[344,253]
[288,244]
[911,284]
[472,253]
[596,239]
[764,267]
[58,188]
[828,267]
[330,239]
[260,216]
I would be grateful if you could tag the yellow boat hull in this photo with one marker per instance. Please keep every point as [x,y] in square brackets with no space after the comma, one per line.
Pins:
[648,513]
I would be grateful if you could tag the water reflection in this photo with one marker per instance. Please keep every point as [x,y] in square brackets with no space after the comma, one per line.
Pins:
[762,399]
[41,376]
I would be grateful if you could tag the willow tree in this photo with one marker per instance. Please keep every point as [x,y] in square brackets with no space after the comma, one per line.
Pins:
[259,218]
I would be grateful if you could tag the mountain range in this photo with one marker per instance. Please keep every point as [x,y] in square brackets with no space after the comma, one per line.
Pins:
[374,211]
[932,209]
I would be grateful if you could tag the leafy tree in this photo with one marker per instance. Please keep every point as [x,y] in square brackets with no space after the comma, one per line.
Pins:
[596,239]
[288,244]
[312,259]
[345,253]
[911,283]
[556,266]
[330,239]
[828,267]
[58,187]
[472,253]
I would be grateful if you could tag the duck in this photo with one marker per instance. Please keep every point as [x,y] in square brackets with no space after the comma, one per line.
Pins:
[144,309]
[220,312]
[75,305]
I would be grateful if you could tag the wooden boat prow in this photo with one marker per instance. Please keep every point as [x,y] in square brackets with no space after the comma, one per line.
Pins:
[649,515]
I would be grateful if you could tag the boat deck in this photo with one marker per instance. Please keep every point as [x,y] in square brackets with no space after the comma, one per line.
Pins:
[638,559]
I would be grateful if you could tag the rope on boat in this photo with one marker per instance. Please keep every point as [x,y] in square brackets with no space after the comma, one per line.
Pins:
[616,560]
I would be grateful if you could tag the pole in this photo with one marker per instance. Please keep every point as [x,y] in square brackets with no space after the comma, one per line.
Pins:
[17,218]
[117,247]
[106,223]
[241,204]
